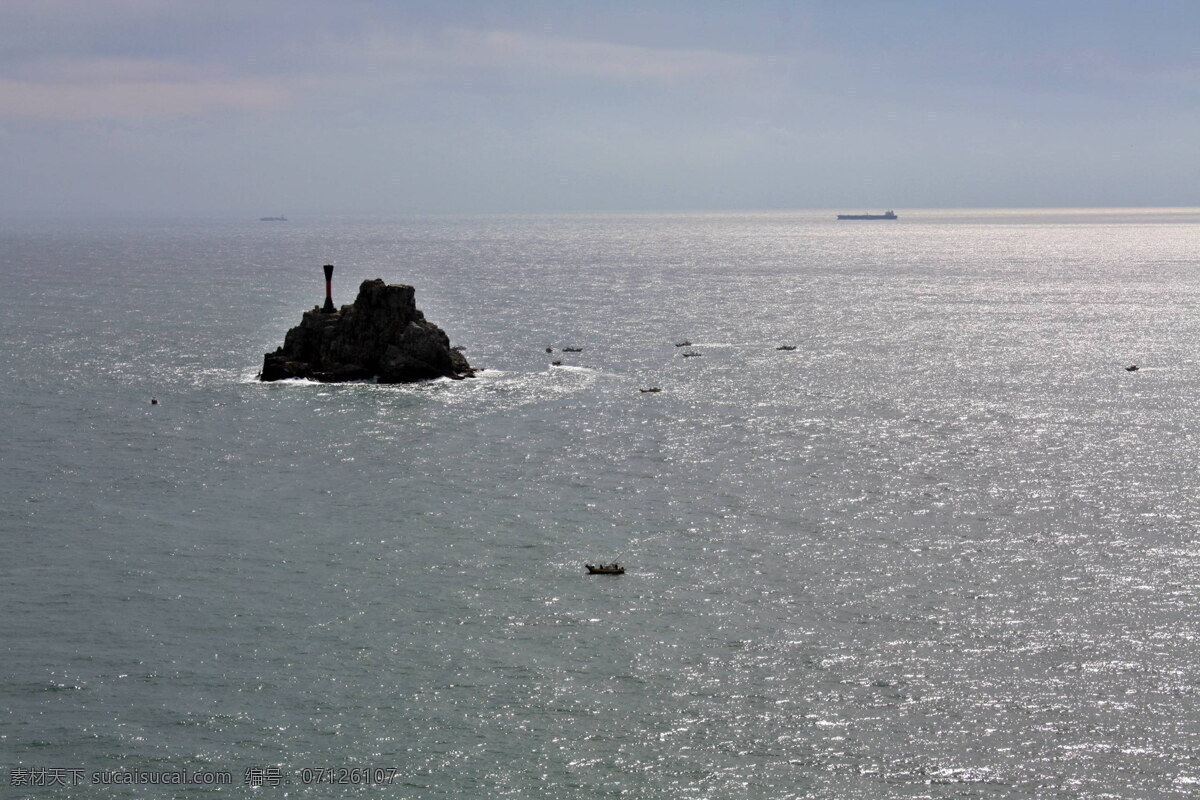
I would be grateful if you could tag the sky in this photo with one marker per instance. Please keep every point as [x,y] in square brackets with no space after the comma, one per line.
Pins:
[229,108]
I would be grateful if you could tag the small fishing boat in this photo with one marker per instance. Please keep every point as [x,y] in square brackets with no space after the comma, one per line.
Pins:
[605,569]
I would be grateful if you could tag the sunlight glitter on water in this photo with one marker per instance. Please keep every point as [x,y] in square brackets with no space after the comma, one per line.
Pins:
[945,546]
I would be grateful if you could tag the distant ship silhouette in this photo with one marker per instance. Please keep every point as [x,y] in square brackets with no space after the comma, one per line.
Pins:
[889,215]
[280,218]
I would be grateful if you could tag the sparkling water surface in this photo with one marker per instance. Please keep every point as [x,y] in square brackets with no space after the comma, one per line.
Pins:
[947,547]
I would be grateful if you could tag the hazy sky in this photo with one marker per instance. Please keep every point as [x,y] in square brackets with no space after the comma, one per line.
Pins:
[250,107]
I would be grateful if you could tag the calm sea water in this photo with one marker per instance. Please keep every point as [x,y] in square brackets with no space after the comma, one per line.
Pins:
[947,547]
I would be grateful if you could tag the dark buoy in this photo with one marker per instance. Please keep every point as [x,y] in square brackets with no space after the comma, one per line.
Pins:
[328,308]
[153,400]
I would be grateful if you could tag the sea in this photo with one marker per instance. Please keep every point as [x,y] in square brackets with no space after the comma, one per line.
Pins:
[947,547]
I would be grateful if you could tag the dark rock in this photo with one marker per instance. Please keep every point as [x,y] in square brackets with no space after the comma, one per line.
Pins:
[381,335]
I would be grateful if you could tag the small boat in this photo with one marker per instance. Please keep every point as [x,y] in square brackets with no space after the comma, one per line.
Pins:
[786,347]
[572,349]
[684,343]
[280,218]
[691,355]
[1132,368]
[651,389]
[605,569]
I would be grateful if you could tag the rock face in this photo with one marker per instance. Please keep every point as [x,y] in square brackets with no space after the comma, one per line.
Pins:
[382,335]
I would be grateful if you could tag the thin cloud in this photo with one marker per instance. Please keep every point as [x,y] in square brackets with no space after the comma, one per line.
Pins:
[458,51]
[74,90]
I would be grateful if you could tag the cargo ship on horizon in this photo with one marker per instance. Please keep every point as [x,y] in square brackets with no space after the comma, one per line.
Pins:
[889,215]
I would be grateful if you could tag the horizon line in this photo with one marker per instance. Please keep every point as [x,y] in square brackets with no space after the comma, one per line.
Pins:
[314,215]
